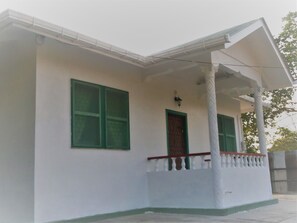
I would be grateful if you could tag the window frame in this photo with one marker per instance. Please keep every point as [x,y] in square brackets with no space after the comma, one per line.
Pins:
[102,116]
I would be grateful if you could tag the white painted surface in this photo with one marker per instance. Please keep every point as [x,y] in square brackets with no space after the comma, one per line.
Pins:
[181,189]
[17,121]
[214,136]
[254,185]
[71,183]
[244,181]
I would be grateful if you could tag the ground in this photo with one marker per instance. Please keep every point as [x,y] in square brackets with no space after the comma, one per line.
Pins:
[283,212]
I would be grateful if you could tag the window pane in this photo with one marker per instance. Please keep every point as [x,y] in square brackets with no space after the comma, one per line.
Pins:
[86,98]
[231,143]
[117,103]
[86,130]
[222,142]
[227,138]
[229,126]
[117,134]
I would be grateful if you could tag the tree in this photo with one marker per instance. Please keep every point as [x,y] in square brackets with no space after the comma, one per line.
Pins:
[287,42]
[286,142]
[280,100]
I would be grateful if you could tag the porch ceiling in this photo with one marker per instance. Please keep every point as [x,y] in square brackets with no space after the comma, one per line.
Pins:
[228,81]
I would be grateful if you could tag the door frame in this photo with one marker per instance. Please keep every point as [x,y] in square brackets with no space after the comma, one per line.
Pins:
[184,115]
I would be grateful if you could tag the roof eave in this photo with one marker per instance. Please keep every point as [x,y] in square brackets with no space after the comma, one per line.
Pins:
[260,23]
[189,48]
[64,35]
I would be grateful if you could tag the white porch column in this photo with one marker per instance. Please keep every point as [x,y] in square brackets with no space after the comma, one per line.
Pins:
[214,135]
[260,121]
[261,132]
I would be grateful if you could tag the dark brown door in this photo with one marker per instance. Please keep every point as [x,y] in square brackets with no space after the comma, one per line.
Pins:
[177,137]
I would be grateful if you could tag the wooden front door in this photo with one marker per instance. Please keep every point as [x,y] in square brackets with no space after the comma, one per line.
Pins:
[177,133]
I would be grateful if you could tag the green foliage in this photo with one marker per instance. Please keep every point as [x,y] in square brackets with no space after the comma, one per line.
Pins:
[280,100]
[287,43]
[286,142]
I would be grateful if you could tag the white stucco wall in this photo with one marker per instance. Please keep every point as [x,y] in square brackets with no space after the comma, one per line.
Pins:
[194,188]
[17,121]
[254,183]
[181,189]
[71,183]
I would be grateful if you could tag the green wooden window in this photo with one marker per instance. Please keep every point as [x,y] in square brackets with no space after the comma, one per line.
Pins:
[100,116]
[227,136]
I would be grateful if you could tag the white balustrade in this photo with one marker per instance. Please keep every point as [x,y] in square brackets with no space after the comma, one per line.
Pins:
[203,161]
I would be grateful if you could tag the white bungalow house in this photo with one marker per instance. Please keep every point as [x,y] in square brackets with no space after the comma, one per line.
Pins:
[89,129]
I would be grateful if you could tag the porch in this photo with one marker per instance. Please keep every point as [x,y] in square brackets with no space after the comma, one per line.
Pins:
[186,181]
[284,211]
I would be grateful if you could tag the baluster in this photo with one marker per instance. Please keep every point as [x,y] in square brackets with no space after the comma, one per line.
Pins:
[157,165]
[259,161]
[193,163]
[237,160]
[227,160]
[222,160]
[250,161]
[166,164]
[240,160]
[183,163]
[245,161]
[232,161]
[202,162]
[253,161]
[173,164]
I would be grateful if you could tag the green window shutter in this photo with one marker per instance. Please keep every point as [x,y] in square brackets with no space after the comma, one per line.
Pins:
[227,136]
[221,133]
[86,115]
[117,119]
[230,134]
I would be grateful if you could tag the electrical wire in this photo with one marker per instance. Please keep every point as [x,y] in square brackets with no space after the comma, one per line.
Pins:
[204,62]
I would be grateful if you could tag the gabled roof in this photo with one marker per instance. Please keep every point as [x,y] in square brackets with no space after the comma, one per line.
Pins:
[219,40]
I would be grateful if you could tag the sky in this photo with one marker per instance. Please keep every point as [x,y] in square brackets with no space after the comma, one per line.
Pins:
[149,26]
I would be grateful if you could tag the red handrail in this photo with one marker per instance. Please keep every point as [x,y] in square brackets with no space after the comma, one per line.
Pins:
[203,154]
[176,156]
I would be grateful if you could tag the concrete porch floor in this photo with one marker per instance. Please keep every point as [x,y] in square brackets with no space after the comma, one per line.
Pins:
[283,212]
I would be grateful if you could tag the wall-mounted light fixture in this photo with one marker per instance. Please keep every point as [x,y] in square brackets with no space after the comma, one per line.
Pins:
[177,99]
